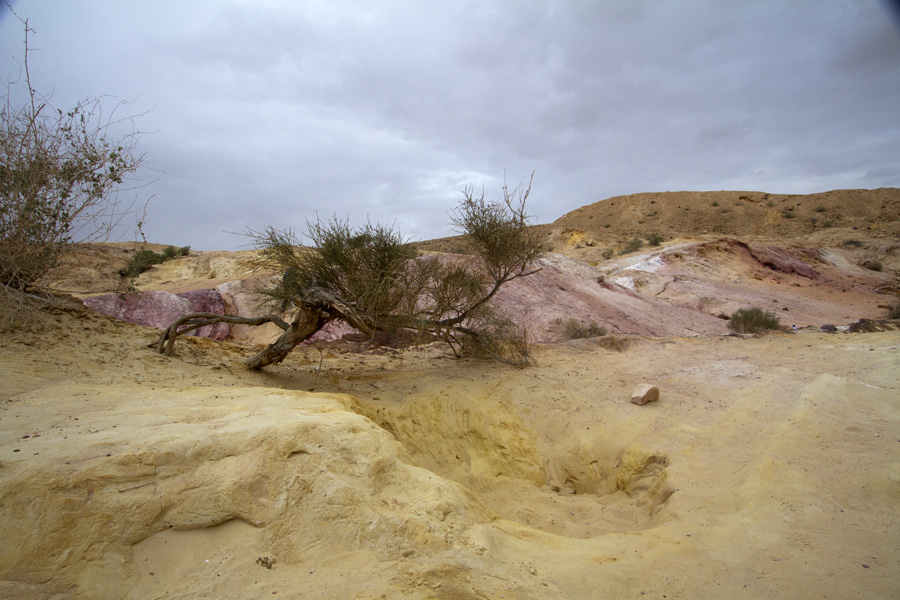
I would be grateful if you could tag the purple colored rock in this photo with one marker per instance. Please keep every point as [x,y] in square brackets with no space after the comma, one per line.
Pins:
[161,309]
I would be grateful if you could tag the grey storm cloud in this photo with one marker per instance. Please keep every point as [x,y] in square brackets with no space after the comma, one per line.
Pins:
[271,113]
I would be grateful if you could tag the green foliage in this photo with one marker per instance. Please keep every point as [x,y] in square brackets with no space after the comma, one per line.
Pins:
[143,259]
[788,213]
[753,320]
[366,266]
[821,209]
[573,329]
[608,253]
[634,245]
[170,252]
[715,203]
[498,233]
[655,239]
[372,278]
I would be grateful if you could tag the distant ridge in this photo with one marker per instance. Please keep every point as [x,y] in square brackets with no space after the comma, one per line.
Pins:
[613,221]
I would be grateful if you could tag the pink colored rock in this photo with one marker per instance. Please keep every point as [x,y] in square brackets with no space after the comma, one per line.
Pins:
[161,309]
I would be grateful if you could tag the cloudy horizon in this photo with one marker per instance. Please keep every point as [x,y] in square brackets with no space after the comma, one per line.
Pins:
[271,113]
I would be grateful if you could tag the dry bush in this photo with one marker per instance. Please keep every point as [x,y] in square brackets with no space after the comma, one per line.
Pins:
[634,245]
[573,329]
[655,239]
[874,264]
[753,320]
[60,176]
[372,279]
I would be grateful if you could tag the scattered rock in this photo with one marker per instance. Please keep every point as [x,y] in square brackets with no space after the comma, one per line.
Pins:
[870,326]
[645,393]
[829,329]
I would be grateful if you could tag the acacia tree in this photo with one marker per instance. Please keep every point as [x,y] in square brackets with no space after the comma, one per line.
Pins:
[373,279]
[60,175]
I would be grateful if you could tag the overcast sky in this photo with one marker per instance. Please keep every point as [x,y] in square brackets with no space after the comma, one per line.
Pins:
[267,112]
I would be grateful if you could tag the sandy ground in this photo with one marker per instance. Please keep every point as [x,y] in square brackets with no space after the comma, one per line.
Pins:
[770,467]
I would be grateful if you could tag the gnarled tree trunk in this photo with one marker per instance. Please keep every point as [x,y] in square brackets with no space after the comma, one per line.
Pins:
[307,323]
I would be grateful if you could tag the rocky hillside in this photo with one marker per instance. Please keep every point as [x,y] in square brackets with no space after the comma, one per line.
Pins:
[731,250]
[824,217]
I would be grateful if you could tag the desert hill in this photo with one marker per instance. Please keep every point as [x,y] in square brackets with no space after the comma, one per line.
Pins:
[769,466]
[676,214]
[824,219]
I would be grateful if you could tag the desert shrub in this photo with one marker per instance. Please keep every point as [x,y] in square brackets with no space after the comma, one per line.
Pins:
[633,245]
[753,320]
[821,209]
[715,203]
[143,259]
[374,280]
[655,239]
[873,265]
[788,213]
[608,253]
[170,252]
[573,329]
[893,311]
[60,175]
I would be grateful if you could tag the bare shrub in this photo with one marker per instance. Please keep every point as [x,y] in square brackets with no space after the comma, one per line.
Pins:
[61,172]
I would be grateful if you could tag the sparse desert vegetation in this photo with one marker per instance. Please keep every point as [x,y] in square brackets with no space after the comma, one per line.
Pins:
[633,246]
[655,239]
[144,259]
[753,320]
[873,264]
[573,329]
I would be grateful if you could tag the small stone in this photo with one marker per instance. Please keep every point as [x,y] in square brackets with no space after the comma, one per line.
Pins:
[645,393]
